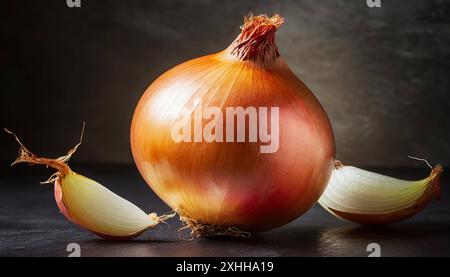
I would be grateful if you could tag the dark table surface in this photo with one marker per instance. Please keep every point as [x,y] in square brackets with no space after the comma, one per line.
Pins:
[31,225]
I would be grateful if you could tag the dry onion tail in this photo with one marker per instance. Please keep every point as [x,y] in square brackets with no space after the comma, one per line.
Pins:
[162,218]
[60,164]
[338,164]
[257,39]
[199,229]
[435,181]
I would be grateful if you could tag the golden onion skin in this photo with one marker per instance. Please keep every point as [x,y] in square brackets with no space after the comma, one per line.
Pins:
[233,184]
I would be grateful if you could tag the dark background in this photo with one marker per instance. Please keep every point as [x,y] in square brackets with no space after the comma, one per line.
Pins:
[382,74]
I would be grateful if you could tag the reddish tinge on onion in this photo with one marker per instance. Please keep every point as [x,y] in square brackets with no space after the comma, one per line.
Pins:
[218,181]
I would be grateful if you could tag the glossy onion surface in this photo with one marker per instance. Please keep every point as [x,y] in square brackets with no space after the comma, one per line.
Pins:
[233,183]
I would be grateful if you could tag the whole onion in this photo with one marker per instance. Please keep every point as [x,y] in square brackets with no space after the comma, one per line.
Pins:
[222,183]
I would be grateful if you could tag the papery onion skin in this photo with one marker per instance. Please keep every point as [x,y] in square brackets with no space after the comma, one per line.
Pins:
[233,184]
[431,189]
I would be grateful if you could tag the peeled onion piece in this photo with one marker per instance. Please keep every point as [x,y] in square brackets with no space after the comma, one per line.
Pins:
[220,186]
[365,197]
[87,203]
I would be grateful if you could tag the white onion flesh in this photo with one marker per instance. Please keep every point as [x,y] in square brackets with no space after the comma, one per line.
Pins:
[99,209]
[362,196]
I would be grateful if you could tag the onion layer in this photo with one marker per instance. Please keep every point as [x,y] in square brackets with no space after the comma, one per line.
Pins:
[89,204]
[365,197]
[216,184]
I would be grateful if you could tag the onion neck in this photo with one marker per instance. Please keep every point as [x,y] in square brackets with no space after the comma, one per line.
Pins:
[256,42]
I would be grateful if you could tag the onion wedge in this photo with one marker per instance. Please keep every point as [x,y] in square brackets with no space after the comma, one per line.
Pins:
[87,203]
[366,197]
